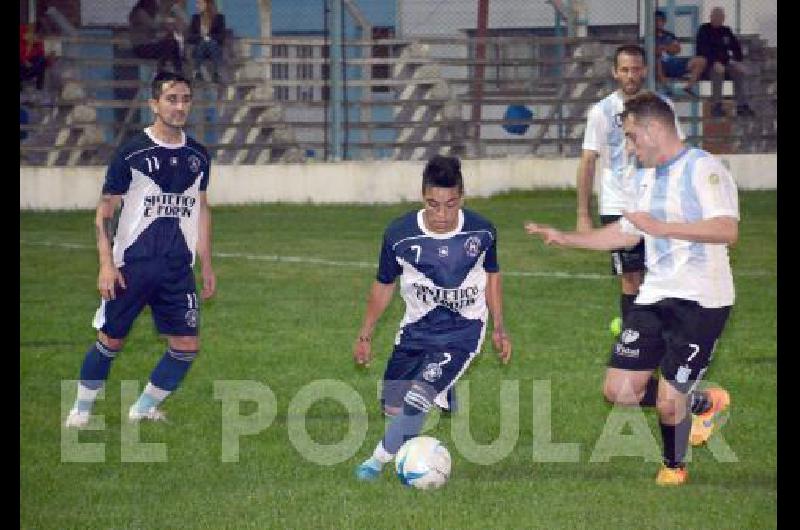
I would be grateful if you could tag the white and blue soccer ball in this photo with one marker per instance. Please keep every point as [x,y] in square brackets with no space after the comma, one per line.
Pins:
[423,462]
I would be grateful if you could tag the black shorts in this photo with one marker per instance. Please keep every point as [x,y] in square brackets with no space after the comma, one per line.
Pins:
[623,259]
[439,370]
[167,287]
[676,335]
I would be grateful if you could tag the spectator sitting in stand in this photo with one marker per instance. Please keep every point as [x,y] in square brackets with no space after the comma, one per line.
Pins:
[723,55]
[152,37]
[669,65]
[32,59]
[176,21]
[207,34]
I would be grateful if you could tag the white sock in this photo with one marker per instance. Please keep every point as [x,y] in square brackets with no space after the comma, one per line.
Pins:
[86,397]
[380,455]
[152,396]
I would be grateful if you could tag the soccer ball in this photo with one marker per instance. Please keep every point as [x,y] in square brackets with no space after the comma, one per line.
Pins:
[423,462]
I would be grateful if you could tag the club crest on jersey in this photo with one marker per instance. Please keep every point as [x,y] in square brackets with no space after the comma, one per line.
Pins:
[191,318]
[473,246]
[444,251]
[629,335]
[194,163]
[432,372]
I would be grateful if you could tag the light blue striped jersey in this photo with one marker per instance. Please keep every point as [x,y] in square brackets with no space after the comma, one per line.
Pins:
[691,187]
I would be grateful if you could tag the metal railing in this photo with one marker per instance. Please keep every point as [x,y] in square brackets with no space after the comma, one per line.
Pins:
[404,99]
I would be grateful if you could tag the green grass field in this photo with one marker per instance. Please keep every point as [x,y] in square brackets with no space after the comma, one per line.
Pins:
[285,323]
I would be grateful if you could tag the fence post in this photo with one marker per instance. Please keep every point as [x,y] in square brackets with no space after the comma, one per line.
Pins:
[650,42]
[335,56]
[480,56]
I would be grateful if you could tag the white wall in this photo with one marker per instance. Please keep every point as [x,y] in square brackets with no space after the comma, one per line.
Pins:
[349,182]
[106,12]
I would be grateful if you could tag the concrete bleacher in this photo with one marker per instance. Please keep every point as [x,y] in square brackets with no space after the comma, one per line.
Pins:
[97,97]
[99,90]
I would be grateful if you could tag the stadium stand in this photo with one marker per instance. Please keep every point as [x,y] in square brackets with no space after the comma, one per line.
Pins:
[257,114]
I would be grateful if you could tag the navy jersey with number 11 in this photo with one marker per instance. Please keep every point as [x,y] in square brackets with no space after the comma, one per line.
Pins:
[160,185]
[442,281]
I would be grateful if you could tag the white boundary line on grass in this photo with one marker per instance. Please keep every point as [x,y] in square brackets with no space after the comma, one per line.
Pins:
[370,265]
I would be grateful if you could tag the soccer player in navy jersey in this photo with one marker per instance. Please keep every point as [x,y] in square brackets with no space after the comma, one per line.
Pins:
[159,178]
[446,259]
[684,207]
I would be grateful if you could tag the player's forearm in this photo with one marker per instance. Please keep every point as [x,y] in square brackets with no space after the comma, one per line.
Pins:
[609,237]
[585,184]
[105,227]
[494,298]
[380,295]
[204,237]
[722,230]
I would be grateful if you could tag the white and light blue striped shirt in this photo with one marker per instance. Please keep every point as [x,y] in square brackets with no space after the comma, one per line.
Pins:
[691,187]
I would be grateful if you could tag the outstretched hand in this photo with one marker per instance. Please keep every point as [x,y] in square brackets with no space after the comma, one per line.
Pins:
[550,235]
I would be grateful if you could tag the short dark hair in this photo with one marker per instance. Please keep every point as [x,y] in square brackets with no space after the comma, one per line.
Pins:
[660,14]
[649,106]
[630,49]
[443,172]
[165,76]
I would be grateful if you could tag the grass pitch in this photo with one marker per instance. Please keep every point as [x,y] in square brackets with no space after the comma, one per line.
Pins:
[292,284]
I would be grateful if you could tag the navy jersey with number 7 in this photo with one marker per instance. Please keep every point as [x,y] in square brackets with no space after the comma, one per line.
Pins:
[442,280]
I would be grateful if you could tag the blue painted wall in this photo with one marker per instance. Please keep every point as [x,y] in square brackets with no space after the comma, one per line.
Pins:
[306,16]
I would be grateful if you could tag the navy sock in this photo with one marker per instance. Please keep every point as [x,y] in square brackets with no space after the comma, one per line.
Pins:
[96,365]
[404,426]
[700,402]
[676,441]
[451,402]
[172,368]
[650,393]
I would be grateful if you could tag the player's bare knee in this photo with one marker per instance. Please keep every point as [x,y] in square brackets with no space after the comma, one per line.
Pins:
[184,343]
[609,392]
[621,393]
[669,410]
[114,344]
[391,411]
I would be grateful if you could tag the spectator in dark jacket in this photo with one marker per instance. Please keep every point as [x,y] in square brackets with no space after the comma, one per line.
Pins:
[207,34]
[719,46]
[152,37]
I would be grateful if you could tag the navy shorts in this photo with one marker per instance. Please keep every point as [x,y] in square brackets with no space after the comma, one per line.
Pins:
[675,66]
[439,370]
[167,287]
[676,335]
[623,259]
